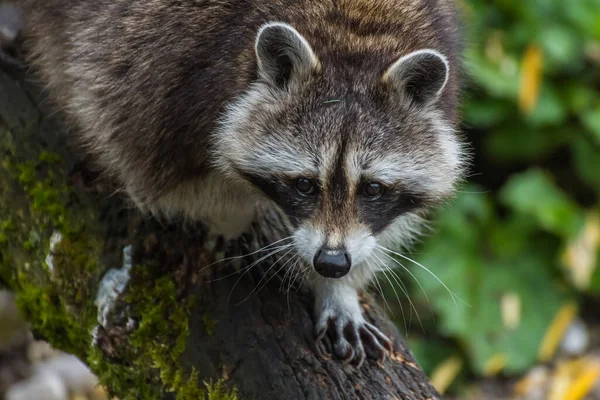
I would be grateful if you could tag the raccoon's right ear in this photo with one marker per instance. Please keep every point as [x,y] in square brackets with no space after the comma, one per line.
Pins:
[421,75]
[283,54]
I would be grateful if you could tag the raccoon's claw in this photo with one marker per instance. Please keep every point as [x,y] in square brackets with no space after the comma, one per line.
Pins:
[351,340]
[341,328]
[376,344]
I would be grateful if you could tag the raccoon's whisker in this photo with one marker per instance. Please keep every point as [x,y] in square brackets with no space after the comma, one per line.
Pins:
[249,254]
[398,280]
[409,272]
[300,270]
[288,274]
[305,273]
[297,273]
[246,269]
[453,295]
[277,250]
[382,270]
[379,288]
[276,273]
[416,280]
[265,274]
[258,286]
[292,279]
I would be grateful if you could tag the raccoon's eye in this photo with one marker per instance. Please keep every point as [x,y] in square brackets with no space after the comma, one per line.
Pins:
[305,186]
[372,190]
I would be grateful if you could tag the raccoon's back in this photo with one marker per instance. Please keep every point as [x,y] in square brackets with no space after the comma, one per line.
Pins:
[145,80]
[142,81]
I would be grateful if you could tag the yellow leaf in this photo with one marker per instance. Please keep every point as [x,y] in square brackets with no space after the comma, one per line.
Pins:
[531,77]
[581,254]
[556,331]
[584,383]
[445,373]
[495,364]
[574,379]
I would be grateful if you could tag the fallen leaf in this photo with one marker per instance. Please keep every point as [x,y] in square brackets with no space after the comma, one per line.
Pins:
[531,77]
[445,373]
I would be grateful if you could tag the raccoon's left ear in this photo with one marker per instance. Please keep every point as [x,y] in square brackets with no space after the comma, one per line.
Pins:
[283,54]
[421,75]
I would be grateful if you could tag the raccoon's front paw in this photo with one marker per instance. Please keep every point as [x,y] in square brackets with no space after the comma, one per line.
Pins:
[342,330]
[351,340]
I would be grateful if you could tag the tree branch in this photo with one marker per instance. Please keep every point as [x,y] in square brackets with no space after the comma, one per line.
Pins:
[136,300]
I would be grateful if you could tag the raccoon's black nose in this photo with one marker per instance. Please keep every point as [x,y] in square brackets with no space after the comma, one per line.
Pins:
[332,263]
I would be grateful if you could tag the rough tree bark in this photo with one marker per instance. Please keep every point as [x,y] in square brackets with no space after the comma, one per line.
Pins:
[136,300]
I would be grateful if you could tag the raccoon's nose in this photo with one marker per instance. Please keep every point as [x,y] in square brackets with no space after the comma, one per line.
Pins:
[332,263]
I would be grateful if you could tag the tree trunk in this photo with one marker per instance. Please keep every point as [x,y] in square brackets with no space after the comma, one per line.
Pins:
[141,303]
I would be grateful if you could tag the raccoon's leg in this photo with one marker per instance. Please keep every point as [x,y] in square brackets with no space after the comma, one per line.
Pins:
[10,28]
[341,322]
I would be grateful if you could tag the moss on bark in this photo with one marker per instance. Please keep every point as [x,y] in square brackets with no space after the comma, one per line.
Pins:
[52,243]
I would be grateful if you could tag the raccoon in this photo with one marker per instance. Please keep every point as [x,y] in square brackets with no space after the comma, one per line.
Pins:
[342,114]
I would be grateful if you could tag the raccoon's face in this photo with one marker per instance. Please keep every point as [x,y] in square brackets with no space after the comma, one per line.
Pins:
[352,161]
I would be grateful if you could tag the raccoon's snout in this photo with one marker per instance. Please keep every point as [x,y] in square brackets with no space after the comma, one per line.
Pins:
[332,263]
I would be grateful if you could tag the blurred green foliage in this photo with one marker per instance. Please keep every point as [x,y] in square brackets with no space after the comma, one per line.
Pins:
[534,186]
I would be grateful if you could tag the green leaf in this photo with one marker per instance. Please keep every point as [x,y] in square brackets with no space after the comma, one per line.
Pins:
[471,209]
[510,237]
[583,16]
[513,143]
[561,46]
[549,110]
[481,282]
[534,193]
[580,98]
[591,120]
[491,77]
[586,161]
[428,352]
[486,113]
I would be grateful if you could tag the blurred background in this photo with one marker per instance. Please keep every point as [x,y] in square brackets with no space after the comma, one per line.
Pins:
[505,291]
[519,247]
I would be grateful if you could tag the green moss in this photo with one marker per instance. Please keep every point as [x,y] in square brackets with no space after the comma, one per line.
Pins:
[59,303]
[49,158]
[6,227]
[43,308]
[151,362]
[217,391]
[160,322]
[124,380]
[45,184]
[188,389]
[26,173]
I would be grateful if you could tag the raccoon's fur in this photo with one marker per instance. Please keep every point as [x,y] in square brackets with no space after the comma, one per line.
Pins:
[342,113]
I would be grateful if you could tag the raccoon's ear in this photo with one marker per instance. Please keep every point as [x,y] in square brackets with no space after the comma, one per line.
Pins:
[282,54]
[421,75]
